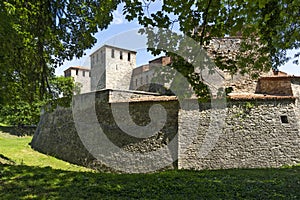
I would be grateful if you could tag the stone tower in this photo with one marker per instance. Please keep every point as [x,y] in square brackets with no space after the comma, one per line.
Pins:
[81,77]
[111,68]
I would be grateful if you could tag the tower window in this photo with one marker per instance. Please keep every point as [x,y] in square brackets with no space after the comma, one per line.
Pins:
[112,53]
[68,73]
[76,72]
[136,82]
[128,58]
[121,55]
[83,73]
[147,79]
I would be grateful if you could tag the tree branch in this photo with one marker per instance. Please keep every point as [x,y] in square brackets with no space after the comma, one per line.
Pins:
[204,22]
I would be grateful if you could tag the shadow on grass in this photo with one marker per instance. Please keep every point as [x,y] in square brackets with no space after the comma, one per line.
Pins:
[22,182]
[6,160]
[18,130]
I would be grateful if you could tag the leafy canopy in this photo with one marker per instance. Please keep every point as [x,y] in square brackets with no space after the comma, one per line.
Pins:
[38,36]
[271,27]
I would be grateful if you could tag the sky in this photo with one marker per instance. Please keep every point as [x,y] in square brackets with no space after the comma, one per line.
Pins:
[122,33]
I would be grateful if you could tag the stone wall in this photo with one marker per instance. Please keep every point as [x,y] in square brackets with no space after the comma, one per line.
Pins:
[256,133]
[228,48]
[84,79]
[59,135]
[56,135]
[280,85]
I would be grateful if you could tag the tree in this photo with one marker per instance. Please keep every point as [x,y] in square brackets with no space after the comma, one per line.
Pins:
[269,27]
[22,111]
[38,36]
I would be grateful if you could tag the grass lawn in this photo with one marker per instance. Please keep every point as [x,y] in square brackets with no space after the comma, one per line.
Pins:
[18,151]
[24,175]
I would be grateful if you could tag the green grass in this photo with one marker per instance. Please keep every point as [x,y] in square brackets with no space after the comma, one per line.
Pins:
[30,179]
[18,151]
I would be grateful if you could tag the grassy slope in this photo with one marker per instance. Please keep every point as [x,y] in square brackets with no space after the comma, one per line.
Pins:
[17,149]
[33,181]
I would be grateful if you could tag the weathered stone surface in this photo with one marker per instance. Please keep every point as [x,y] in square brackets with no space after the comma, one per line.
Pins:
[253,136]
[57,134]
[255,133]
[276,85]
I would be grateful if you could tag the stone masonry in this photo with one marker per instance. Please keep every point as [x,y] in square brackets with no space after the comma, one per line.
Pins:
[259,130]
[254,136]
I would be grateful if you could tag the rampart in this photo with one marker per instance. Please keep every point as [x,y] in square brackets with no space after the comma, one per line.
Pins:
[258,131]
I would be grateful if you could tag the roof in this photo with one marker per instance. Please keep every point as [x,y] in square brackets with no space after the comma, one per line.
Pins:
[159,59]
[251,96]
[276,78]
[147,67]
[114,47]
[78,67]
[140,69]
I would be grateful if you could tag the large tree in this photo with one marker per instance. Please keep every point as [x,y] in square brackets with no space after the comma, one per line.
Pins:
[269,27]
[37,36]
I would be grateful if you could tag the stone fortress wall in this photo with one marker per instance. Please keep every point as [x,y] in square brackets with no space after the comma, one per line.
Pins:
[251,138]
[227,47]
[260,130]
[115,68]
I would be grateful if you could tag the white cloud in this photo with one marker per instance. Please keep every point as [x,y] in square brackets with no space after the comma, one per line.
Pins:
[118,17]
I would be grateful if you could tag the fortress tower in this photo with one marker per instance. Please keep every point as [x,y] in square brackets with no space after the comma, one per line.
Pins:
[111,68]
[81,77]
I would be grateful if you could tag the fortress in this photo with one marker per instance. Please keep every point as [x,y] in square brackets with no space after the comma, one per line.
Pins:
[257,126]
[115,68]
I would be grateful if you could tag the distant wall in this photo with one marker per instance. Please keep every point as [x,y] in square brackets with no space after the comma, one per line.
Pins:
[275,86]
[84,79]
[257,133]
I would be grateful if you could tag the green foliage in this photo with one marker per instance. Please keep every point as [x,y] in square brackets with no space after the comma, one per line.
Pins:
[21,113]
[25,109]
[245,109]
[36,37]
[268,28]
[62,89]
[248,106]
[37,34]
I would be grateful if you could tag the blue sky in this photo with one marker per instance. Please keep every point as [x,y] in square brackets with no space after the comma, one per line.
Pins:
[119,33]
[122,33]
